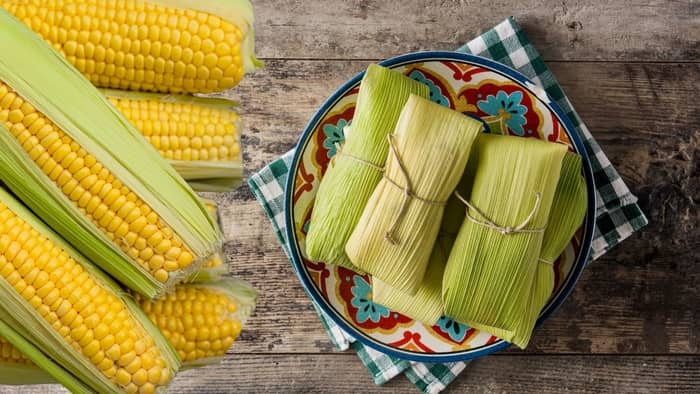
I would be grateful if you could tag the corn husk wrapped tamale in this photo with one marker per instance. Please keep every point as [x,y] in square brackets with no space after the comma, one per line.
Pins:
[426,305]
[568,210]
[353,174]
[395,235]
[489,276]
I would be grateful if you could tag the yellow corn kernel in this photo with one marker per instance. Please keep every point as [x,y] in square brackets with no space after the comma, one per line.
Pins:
[11,355]
[214,136]
[107,204]
[81,328]
[140,45]
[192,318]
[216,261]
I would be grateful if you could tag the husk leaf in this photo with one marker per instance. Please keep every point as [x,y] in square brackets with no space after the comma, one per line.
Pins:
[44,370]
[433,143]
[348,184]
[426,305]
[84,114]
[19,315]
[568,210]
[237,290]
[201,175]
[205,273]
[489,275]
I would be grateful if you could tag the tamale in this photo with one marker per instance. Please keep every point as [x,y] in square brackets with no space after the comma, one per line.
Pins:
[568,210]
[490,271]
[354,172]
[426,305]
[397,230]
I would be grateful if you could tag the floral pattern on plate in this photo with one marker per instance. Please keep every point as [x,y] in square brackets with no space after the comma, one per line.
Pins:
[506,107]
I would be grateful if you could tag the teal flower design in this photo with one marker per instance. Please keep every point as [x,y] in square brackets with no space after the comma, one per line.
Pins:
[334,135]
[457,331]
[435,92]
[507,106]
[366,308]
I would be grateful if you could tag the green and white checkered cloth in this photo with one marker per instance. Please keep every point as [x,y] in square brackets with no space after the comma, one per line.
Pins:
[617,216]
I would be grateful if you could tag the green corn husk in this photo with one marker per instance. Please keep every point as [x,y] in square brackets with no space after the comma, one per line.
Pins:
[348,183]
[426,305]
[568,210]
[214,185]
[489,275]
[202,175]
[23,320]
[395,236]
[41,76]
[43,371]
[216,268]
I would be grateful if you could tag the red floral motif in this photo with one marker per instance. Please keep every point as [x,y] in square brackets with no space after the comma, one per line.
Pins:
[303,182]
[319,274]
[411,341]
[462,71]
[557,132]
[345,284]
[473,94]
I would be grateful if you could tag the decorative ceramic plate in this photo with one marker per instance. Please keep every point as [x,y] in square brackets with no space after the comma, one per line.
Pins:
[507,103]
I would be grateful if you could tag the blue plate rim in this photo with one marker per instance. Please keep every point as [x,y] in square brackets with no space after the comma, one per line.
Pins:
[462,355]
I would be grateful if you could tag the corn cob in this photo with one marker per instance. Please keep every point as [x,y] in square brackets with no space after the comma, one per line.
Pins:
[11,359]
[56,300]
[69,155]
[211,271]
[201,321]
[169,46]
[199,136]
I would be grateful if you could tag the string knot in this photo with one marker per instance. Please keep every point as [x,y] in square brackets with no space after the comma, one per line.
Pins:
[408,193]
[483,220]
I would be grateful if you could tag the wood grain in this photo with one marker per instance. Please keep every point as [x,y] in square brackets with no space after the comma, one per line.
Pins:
[635,30]
[651,103]
[343,373]
[631,69]
[543,374]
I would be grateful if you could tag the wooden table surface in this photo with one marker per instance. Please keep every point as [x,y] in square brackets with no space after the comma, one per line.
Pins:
[630,68]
